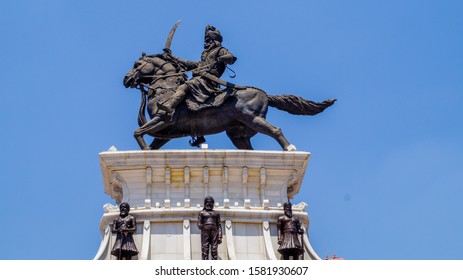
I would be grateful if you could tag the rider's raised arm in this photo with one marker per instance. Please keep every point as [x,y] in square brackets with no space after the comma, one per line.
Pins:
[185,64]
[188,64]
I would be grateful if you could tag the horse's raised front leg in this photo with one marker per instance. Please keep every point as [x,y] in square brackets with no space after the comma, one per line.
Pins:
[141,142]
[154,125]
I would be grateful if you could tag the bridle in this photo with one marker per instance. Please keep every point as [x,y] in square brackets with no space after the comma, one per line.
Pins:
[155,77]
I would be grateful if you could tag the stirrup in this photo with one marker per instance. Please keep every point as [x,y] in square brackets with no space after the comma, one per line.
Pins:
[197,141]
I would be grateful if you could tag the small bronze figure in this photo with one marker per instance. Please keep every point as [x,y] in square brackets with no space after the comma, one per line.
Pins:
[289,229]
[211,229]
[125,225]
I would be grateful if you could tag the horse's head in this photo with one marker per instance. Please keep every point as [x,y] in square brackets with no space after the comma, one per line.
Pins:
[142,72]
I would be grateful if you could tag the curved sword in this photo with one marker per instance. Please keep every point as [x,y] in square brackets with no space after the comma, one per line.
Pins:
[171,36]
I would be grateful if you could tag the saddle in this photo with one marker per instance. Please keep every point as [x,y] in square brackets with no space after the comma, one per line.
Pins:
[212,101]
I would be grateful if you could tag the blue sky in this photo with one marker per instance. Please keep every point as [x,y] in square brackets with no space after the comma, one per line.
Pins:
[385,180]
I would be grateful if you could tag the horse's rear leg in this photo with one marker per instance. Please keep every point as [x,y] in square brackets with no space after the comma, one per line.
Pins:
[261,125]
[242,143]
[240,137]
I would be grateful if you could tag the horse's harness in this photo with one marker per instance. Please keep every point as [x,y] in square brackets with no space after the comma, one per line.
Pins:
[179,73]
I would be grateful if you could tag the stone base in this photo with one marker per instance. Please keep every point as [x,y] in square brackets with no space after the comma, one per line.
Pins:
[166,190]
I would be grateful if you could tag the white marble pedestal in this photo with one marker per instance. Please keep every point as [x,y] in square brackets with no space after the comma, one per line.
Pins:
[166,190]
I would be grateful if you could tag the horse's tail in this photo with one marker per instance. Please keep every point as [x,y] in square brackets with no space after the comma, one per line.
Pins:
[297,105]
[141,112]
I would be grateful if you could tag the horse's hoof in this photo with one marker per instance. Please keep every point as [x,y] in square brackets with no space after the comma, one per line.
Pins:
[290,148]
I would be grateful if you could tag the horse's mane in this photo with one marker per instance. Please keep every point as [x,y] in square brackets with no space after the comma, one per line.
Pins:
[177,66]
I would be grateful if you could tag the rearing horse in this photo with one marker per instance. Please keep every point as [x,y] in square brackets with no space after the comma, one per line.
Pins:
[242,114]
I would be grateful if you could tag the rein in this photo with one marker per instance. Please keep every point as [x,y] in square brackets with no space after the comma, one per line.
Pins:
[180,73]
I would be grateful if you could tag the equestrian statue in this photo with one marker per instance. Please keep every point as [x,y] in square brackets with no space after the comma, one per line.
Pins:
[205,104]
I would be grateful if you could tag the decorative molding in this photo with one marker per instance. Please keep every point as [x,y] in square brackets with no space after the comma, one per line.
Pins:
[265,204]
[308,247]
[262,176]
[167,203]
[247,203]
[118,185]
[186,240]
[108,207]
[225,181]
[262,183]
[186,178]
[229,236]
[146,237]
[104,243]
[149,181]
[147,203]
[167,177]
[187,203]
[268,241]
[244,181]
[302,206]
[291,184]
[206,181]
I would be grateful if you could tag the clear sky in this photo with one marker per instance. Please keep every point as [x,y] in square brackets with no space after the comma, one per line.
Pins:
[385,180]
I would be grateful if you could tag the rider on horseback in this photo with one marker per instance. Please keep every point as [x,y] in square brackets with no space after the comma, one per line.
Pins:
[214,60]
[240,111]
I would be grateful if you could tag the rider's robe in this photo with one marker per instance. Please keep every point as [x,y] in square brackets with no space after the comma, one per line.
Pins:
[200,87]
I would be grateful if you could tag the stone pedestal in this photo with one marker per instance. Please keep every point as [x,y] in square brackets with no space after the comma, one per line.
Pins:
[166,190]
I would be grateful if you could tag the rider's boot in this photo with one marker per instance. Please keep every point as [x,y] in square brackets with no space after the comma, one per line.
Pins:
[172,103]
[167,108]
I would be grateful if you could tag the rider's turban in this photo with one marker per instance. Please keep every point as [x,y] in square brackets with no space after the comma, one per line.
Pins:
[214,35]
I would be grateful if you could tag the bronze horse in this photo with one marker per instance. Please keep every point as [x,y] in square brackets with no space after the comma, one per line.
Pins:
[242,114]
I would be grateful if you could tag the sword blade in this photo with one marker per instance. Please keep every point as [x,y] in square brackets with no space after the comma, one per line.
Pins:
[171,35]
